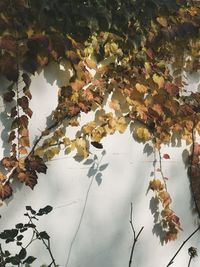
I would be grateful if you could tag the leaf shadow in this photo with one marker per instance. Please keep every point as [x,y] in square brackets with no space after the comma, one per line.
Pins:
[157,228]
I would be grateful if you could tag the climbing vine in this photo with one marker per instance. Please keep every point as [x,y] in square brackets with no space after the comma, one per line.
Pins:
[130,56]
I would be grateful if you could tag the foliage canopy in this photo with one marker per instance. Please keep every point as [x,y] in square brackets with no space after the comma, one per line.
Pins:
[150,45]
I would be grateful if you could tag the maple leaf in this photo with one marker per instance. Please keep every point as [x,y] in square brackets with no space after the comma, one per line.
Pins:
[5,190]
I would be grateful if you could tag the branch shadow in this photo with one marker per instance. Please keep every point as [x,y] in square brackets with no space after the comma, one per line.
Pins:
[94,173]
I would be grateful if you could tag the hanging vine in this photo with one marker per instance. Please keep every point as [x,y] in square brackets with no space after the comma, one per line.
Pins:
[148,46]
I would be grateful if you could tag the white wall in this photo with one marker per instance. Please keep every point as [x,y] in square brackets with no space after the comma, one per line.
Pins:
[104,238]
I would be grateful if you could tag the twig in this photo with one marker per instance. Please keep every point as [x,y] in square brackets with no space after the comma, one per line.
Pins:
[135,237]
[184,242]
[161,170]
[190,261]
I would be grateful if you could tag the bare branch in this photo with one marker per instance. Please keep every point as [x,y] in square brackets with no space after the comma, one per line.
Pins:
[179,249]
[135,237]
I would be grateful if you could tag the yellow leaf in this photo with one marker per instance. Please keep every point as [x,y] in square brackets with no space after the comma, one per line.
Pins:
[143,133]
[156,185]
[114,104]
[39,152]
[58,133]
[98,134]
[121,125]
[2,177]
[81,146]
[159,80]
[89,127]
[66,141]
[91,63]
[162,21]
[50,153]
[141,88]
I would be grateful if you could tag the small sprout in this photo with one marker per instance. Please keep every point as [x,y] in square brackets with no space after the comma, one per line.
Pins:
[192,252]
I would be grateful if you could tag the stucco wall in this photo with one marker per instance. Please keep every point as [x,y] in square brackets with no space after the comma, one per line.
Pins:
[89,225]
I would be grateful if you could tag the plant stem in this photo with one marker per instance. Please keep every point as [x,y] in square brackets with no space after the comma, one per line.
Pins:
[179,249]
[190,261]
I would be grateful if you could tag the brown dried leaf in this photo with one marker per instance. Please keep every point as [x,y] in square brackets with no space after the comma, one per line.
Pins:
[5,191]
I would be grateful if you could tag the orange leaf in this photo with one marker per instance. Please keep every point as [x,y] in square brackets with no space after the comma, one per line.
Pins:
[166,156]
[5,191]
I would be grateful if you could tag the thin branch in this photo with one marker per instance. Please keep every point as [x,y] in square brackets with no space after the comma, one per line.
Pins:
[161,171]
[135,237]
[190,261]
[179,249]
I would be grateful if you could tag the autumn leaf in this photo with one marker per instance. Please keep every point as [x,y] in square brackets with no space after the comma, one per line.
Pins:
[121,124]
[23,102]
[26,79]
[91,63]
[166,156]
[159,80]
[52,152]
[35,163]
[165,198]
[22,150]
[143,133]
[162,21]
[29,178]
[156,185]
[141,88]
[5,191]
